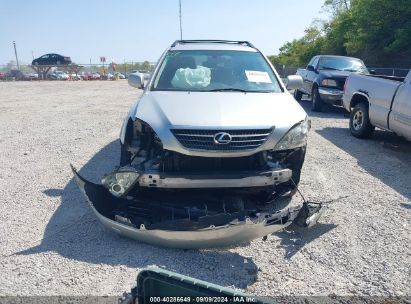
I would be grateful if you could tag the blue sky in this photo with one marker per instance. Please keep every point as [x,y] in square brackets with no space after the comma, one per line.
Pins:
[135,30]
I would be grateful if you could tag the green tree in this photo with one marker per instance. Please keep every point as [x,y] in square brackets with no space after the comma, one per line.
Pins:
[377,31]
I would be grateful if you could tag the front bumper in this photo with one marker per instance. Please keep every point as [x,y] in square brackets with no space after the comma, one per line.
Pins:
[209,231]
[331,95]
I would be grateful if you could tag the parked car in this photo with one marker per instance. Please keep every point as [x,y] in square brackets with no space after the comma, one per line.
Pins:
[324,79]
[206,150]
[75,76]
[86,76]
[33,76]
[58,75]
[96,76]
[51,59]
[378,101]
[120,75]
[90,76]
[16,75]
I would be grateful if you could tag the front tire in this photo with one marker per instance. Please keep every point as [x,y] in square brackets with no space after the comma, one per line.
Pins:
[360,125]
[298,95]
[317,103]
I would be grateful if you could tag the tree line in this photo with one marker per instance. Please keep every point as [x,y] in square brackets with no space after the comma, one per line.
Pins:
[377,31]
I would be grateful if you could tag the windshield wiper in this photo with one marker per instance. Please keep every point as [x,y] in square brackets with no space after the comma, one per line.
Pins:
[351,70]
[329,68]
[228,90]
[238,90]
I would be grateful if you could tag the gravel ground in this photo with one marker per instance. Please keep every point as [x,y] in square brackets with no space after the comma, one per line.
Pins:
[52,244]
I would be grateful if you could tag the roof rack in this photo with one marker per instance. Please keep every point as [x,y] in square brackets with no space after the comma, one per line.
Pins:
[213,41]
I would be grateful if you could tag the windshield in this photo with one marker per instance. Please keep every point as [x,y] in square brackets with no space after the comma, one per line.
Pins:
[208,71]
[342,64]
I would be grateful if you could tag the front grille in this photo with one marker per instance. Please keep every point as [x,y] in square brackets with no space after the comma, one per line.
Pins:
[176,162]
[340,83]
[241,140]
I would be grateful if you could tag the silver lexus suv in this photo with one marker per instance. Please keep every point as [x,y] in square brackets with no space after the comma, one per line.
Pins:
[210,145]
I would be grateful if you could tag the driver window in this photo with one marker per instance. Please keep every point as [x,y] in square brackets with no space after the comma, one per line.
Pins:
[315,62]
[310,63]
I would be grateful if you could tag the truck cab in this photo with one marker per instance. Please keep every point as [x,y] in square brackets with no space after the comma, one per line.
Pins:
[324,79]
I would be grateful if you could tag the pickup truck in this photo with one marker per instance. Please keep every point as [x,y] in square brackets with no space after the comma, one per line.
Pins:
[324,79]
[378,101]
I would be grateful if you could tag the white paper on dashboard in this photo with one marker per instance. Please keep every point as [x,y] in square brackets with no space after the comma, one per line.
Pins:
[258,76]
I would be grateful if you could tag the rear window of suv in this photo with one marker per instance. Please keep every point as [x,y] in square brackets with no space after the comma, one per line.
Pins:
[214,70]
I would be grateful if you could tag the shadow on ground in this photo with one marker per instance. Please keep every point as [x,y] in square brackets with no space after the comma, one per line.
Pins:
[328,111]
[385,156]
[75,233]
[294,238]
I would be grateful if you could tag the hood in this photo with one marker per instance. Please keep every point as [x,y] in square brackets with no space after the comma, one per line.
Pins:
[219,109]
[164,111]
[335,74]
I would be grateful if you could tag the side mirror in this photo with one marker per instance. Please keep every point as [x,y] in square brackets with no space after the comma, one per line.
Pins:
[294,82]
[372,72]
[310,68]
[135,81]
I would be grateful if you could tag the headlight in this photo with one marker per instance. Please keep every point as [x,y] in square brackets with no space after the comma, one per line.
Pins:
[329,83]
[295,138]
[146,134]
[120,182]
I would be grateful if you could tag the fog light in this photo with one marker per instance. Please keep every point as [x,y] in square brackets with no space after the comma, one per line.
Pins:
[120,182]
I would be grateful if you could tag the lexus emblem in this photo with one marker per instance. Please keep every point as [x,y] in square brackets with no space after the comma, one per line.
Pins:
[222,138]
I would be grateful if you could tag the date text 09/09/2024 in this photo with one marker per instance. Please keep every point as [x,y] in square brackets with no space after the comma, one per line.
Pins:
[203,299]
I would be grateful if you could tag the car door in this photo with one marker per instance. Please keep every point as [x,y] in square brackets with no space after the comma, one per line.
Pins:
[400,117]
[54,59]
[305,74]
[44,59]
[311,75]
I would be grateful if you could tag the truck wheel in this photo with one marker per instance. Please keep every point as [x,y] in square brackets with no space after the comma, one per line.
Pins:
[317,103]
[125,156]
[298,95]
[360,125]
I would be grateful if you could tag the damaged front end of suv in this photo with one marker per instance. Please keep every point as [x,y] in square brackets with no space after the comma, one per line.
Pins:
[212,144]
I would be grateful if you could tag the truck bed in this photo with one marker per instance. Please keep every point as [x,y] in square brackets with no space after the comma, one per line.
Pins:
[379,89]
[393,78]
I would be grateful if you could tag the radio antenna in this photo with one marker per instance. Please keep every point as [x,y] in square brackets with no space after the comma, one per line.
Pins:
[181,27]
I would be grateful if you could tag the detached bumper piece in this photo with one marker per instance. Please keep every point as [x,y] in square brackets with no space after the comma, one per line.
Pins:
[190,219]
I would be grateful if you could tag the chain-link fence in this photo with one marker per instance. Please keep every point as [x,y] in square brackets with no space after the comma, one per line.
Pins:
[26,72]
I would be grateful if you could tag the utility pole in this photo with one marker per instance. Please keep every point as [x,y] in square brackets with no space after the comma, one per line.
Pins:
[181,27]
[15,52]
